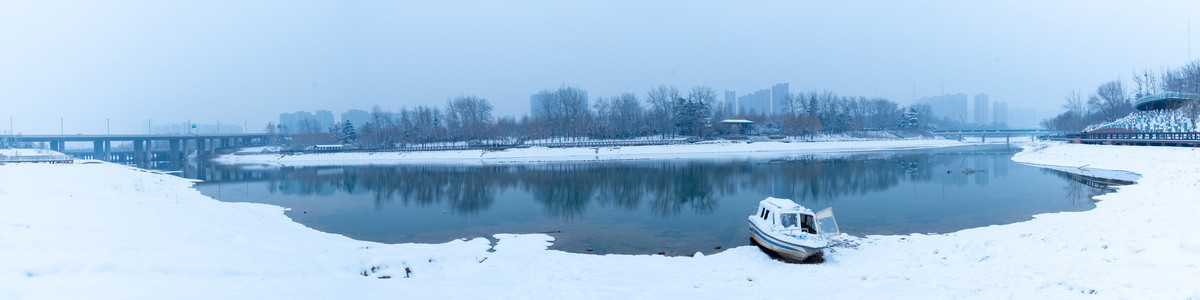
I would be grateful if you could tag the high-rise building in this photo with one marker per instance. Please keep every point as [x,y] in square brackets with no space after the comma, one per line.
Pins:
[779,94]
[981,109]
[758,102]
[357,117]
[764,101]
[1000,113]
[325,119]
[731,102]
[952,107]
[301,121]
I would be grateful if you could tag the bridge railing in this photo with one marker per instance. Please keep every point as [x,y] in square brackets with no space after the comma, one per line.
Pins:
[36,158]
[1155,136]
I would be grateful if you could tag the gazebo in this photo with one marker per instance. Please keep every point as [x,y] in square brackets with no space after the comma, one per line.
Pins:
[738,126]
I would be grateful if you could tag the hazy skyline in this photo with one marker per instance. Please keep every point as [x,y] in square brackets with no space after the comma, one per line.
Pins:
[235,61]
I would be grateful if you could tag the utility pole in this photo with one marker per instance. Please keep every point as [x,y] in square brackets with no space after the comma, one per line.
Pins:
[245,129]
[60,126]
[148,125]
[108,126]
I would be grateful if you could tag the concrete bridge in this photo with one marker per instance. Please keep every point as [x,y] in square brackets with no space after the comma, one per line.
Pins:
[984,134]
[144,147]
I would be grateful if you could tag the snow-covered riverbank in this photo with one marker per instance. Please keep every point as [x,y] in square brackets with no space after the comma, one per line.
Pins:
[108,231]
[543,154]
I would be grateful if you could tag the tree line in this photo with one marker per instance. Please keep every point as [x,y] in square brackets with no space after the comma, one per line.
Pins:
[566,114]
[1114,99]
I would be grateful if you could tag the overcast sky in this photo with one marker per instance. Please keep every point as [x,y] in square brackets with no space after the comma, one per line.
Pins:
[247,61]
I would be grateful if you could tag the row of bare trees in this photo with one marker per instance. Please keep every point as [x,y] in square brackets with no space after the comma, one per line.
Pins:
[565,114]
[1113,100]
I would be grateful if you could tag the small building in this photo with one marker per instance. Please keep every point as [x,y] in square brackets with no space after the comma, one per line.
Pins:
[737,127]
[33,156]
[327,148]
[1167,100]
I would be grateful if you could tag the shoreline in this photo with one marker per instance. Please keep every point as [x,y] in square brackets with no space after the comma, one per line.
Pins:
[118,232]
[543,154]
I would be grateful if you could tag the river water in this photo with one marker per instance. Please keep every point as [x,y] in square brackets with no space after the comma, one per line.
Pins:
[646,206]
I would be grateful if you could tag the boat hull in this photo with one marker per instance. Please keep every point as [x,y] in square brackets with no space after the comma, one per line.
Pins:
[788,251]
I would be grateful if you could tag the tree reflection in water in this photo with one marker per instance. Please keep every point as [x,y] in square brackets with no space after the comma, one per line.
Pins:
[651,205]
[666,187]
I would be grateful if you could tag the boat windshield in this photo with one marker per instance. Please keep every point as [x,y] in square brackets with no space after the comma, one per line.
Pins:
[787,220]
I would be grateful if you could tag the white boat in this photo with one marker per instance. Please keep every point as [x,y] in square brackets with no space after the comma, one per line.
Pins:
[790,230]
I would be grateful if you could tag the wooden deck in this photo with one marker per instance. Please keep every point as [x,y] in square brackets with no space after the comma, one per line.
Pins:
[1172,139]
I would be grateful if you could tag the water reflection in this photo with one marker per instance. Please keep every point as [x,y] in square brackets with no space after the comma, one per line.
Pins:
[647,206]
[1086,188]
[667,188]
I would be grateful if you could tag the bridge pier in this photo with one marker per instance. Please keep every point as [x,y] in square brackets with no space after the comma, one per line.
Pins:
[98,150]
[201,147]
[176,154]
[139,150]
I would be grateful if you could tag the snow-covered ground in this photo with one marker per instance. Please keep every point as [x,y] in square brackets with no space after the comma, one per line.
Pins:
[1171,120]
[106,231]
[543,154]
[27,152]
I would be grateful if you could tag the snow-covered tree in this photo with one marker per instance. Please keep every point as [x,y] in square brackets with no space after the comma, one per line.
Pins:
[348,134]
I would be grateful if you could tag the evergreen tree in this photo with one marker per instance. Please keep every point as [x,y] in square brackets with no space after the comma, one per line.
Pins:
[348,135]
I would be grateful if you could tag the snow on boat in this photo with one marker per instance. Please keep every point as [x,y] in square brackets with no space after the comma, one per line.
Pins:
[790,230]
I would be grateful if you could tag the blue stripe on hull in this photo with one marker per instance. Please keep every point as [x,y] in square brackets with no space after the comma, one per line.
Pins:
[761,236]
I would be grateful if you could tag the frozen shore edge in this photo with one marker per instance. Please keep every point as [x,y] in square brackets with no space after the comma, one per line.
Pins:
[111,231]
[543,154]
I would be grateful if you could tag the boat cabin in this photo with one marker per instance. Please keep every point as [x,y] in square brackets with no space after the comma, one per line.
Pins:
[785,215]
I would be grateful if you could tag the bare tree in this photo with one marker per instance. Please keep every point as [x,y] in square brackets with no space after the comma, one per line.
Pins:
[468,117]
[1074,103]
[703,94]
[629,116]
[1147,83]
[1186,79]
[1110,101]
[662,108]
